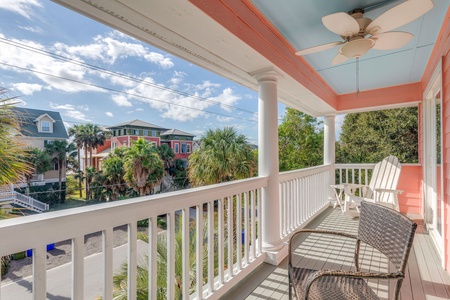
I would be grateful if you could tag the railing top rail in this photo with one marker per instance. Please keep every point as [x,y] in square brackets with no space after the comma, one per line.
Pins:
[355,166]
[88,219]
[283,176]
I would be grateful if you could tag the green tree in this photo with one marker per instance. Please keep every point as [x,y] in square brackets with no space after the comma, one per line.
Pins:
[59,149]
[179,173]
[223,155]
[166,154]
[12,159]
[94,137]
[76,132]
[40,162]
[114,171]
[143,167]
[371,136]
[300,141]
[90,173]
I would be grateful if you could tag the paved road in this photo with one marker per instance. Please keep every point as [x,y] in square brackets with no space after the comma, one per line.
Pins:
[59,279]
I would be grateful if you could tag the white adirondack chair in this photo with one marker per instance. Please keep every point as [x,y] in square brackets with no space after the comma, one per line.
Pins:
[382,188]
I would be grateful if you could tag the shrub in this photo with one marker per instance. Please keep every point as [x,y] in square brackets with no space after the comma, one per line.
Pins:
[5,262]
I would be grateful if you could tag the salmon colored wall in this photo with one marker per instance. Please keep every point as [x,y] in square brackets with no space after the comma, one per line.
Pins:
[446,145]
[410,182]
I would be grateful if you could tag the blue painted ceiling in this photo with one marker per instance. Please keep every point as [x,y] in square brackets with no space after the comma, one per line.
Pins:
[300,22]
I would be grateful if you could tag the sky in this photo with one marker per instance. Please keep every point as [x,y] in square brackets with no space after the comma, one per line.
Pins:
[52,58]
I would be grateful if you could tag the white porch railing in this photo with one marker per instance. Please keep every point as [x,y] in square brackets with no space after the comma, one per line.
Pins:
[225,224]
[219,210]
[353,173]
[7,194]
[303,194]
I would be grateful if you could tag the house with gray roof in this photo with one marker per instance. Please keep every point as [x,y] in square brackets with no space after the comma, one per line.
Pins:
[39,128]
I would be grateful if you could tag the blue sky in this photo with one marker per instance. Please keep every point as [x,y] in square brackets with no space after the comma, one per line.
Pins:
[54,59]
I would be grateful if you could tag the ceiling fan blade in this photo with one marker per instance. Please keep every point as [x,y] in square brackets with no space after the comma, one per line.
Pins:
[341,23]
[399,15]
[391,40]
[318,48]
[339,59]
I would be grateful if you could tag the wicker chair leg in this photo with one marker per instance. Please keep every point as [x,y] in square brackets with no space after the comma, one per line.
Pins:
[290,289]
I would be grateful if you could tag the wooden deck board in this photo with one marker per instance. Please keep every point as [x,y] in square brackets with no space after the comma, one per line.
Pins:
[424,278]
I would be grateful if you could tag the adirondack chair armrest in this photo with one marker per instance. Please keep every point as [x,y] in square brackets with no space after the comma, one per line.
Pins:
[350,188]
[378,190]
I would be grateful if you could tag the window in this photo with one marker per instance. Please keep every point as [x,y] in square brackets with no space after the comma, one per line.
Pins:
[145,132]
[55,167]
[124,143]
[45,126]
[114,145]
[153,132]
[114,133]
[48,142]
[188,148]
[183,148]
[119,132]
[136,132]
[176,145]
[176,138]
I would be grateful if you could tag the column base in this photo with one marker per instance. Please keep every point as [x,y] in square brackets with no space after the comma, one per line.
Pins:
[275,257]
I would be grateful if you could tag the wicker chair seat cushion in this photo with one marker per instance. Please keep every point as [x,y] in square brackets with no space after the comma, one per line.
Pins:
[330,287]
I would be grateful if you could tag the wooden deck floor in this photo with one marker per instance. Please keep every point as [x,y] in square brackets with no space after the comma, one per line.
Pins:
[425,278]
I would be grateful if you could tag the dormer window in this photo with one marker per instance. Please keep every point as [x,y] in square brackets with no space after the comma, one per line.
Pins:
[45,126]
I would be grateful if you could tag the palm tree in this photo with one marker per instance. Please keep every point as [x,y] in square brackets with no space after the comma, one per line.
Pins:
[40,161]
[114,172]
[12,159]
[90,174]
[143,167]
[223,155]
[120,279]
[60,149]
[94,137]
[77,133]
[166,154]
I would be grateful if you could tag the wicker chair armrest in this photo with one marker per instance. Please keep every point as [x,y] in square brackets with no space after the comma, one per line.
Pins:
[316,275]
[300,231]
[388,191]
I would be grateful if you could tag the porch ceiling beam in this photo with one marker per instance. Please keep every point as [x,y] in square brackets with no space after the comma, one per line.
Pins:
[390,97]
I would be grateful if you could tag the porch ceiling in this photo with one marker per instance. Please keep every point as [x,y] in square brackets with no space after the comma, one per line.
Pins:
[237,38]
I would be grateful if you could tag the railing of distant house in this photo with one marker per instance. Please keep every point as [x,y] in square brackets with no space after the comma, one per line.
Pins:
[30,202]
[303,194]
[353,173]
[223,221]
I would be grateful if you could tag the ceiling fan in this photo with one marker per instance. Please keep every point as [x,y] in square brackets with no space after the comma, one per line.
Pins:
[361,34]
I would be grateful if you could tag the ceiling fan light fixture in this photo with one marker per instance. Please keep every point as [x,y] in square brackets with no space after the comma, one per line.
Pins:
[356,48]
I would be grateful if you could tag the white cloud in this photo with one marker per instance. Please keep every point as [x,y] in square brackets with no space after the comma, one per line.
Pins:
[27,88]
[21,7]
[101,50]
[40,65]
[224,119]
[226,99]
[121,100]
[109,114]
[177,79]
[71,111]
[31,29]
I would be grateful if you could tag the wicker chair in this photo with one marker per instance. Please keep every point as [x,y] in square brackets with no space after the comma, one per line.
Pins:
[380,227]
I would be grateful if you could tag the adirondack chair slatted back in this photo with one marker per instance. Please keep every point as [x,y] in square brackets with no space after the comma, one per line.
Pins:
[385,175]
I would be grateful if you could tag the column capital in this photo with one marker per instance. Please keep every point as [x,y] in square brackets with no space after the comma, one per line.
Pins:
[267,74]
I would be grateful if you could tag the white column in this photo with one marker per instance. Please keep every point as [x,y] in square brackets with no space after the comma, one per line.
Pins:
[329,150]
[268,163]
